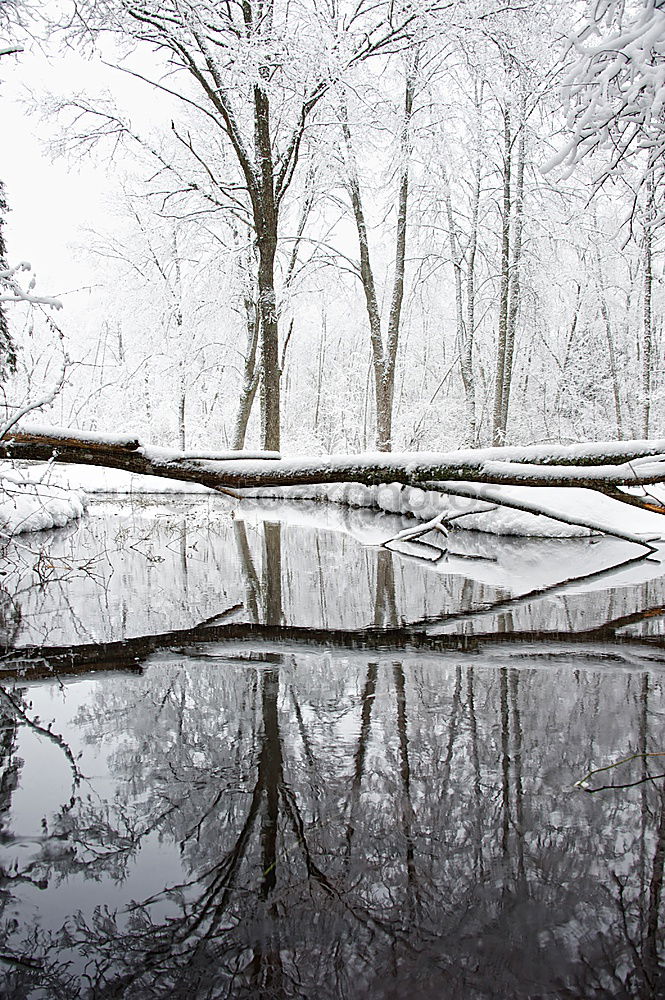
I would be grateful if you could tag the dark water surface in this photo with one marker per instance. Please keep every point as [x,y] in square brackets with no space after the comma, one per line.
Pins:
[316,768]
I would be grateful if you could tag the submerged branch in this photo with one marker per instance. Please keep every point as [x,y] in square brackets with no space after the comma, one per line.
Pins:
[45,731]
[583,783]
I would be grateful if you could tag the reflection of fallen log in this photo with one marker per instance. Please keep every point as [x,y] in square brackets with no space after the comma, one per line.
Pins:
[241,639]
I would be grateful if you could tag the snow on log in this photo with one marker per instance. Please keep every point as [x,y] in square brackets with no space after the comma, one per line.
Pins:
[596,466]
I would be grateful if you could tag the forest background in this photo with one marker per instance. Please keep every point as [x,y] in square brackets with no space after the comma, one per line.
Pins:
[386,225]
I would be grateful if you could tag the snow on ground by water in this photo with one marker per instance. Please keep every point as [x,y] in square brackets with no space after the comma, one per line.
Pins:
[484,516]
[31,506]
[392,498]
[94,479]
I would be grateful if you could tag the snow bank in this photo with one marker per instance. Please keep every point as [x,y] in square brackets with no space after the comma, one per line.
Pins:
[393,498]
[29,506]
[95,479]
[483,515]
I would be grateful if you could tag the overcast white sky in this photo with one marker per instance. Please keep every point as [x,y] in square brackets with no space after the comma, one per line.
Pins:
[52,200]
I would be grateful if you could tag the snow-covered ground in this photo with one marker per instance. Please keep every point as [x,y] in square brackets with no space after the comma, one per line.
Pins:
[63,499]
[487,516]
[33,506]
[94,479]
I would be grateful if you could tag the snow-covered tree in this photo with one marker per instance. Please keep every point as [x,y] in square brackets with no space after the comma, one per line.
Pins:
[7,345]
[254,74]
[614,88]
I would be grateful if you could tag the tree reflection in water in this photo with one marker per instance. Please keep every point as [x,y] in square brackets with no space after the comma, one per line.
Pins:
[350,825]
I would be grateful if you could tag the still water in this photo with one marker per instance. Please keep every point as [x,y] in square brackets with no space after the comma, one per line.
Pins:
[248,753]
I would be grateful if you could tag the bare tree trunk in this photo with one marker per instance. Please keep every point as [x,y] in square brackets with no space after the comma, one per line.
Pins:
[604,312]
[176,292]
[320,367]
[465,284]
[148,396]
[395,314]
[461,472]
[367,280]
[182,434]
[514,272]
[569,343]
[456,260]
[250,379]
[497,433]
[269,330]
[470,329]
[266,240]
[384,358]
[647,330]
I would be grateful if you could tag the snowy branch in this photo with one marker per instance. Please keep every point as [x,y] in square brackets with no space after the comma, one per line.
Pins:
[614,87]
[11,290]
[36,404]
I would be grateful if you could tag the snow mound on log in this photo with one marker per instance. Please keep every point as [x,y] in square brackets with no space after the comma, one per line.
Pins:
[28,506]
[481,515]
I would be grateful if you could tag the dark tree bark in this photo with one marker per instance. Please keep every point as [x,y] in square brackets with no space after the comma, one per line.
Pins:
[259,111]
[384,355]
[250,380]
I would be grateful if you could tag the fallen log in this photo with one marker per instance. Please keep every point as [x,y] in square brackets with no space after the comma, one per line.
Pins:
[597,466]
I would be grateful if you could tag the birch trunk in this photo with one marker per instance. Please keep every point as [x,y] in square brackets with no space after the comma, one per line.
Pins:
[647,318]
[504,290]
[467,348]
[514,271]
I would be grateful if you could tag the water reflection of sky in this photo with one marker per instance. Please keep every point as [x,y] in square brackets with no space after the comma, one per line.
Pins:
[128,570]
[329,824]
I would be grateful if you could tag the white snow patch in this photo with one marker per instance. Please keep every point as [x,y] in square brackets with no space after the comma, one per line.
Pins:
[481,515]
[393,498]
[95,479]
[31,506]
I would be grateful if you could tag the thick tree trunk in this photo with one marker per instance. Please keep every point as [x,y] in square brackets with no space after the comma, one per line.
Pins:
[265,213]
[269,332]
[250,379]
